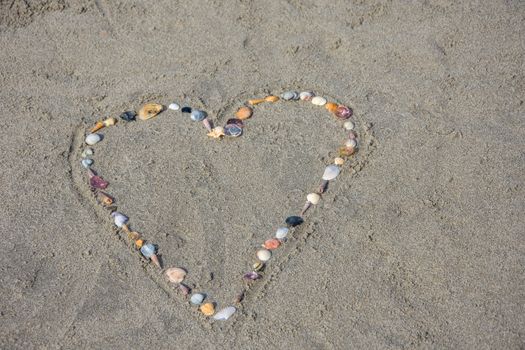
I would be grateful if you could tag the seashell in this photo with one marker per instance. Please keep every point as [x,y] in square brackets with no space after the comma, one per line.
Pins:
[148,250]
[207,309]
[271,98]
[313,198]
[92,139]
[306,95]
[351,143]
[272,244]
[150,110]
[235,121]
[331,172]
[105,198]
[293,221]
[343,112]
[339,161]
[225,313]
[349,125]
[251,276]
[197,298]
[87,152]
[110,122]
[175,274]
[128,116]
[289,95]
[133,235]
[216,132]
[139,243]
[264,255]
[282,232]
[186,109]
[319,101]
[244,113]
[256,101]
[174,106]
[87,162]
[232,130]
[119,218]
[352,134]
[258,266]
[346,151]
[97,127]
[184,289]
[96,181]
[198,115]
[331,107]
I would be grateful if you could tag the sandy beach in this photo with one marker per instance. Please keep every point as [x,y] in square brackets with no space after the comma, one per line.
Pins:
[418,243]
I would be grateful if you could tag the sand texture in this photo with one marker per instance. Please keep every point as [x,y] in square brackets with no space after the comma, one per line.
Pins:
[421,245]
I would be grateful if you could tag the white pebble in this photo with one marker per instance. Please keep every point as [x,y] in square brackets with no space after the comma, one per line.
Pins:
[350,143]
[197,298]
[281,232]
[319,101]
[92,139]
[264,255]
[349,125]
[174,107]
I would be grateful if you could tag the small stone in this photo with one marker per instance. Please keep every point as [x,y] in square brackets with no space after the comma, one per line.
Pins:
[216,132]
[128,116]
[148,250]
[343,112]
[244,113]
[87,162]
[351,143]
[293,221]
[282,232]
[198,115]
[92,139]
[251,276]
[272,244]
[174,106]
[208,309]
[197,298]
[119,219]
[96,181]
[258,266]
[306,95]
[271,98]
[319,101]
[232,130]
[313,198]
[264,255]
[349,125]
[289,95]
[235,121]
[87,152]
[339,161]
[225,313]
[175,274]
[331,107]
[186,110]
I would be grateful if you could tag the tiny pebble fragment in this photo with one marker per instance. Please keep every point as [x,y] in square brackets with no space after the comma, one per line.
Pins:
[251,276]
[351,143]
[150,110]
[339,161]
[331,107]
[289,95]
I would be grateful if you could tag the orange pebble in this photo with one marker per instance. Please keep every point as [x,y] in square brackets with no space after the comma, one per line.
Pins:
[244,113]
[256,101]
[134,235]
[271,98]
[139,243]
[208,309]
[332,107]
[272,244]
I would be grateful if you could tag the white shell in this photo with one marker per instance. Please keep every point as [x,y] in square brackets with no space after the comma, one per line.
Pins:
[87,152]
[264,255]
[87,162]
[306,95]
[92,139]
[331,172]
[339,161]
[225,313]
[313,198]
[174,107]
[197,298]
[281,232]
[348,125]
[319,101]
[120,219]
[351,143]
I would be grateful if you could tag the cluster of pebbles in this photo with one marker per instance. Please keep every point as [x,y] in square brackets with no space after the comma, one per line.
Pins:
[234,127]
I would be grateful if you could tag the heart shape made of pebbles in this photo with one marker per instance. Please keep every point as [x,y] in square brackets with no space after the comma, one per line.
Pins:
[345,158]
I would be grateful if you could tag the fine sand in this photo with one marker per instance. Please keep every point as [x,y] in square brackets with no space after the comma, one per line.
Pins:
[419,243]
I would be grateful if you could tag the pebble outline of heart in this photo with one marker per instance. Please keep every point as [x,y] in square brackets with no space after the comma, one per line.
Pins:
[355,167]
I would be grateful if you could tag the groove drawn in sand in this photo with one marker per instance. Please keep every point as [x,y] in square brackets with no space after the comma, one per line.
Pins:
[288,251]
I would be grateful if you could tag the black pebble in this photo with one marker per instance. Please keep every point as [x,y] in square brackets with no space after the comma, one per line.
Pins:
[293,221]
[186,110]
[128,116]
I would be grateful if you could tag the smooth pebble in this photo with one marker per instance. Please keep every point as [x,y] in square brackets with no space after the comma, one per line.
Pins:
[92,139]
[87,152]
[306,95]
[351,143]
[348,125]
[319,101]
[197,298]
[282,232]
[174,107]
[294,221]
[225,313]
[119,218]
[128,116]
[313,198]
[289,95]
[331,172]
[87,162]
[197,115]
[148,250]
[175,274]
[264,255]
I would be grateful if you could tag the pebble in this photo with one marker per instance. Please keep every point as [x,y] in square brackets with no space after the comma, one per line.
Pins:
[235,121]
[186,110]
[128,116]
[264,255]
[87,152]
[93,139]
[343,112]
[197,298]
[198,115]
[96,181]
[119,218]
[331,172]
[351,143]
[148,250]
[258,266]
[348,125]
[282,232]
[331,107]
[207,309]
[306,95]
[256,101]
[150,110]
[87,162]
[289,95]
[244,113]
[319,101]
[174,107]
[232,130]
[272,244]
[339,161]
[225,313]
[252,276]
[175,274]
[313,198]
[105,198]
[293,221]
[271,98]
